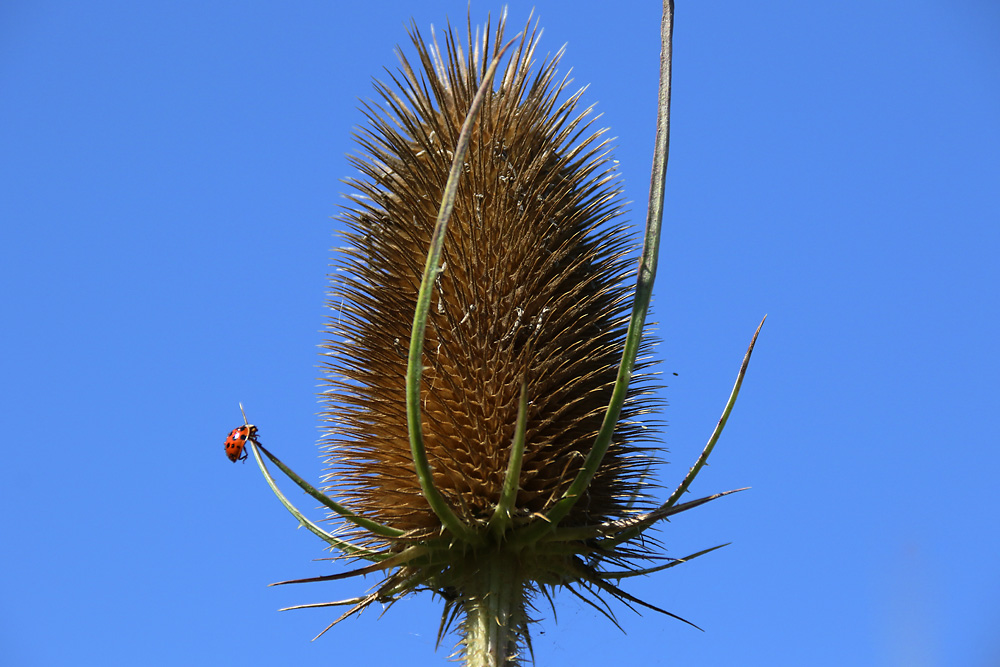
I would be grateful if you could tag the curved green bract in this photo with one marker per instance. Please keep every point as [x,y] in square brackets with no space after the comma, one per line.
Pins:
[338,543]
[388,561]
[671,506]
[616,532]
[624,574]
[373,526]
[414,367]
[643,291]
[703,457]
[502,516]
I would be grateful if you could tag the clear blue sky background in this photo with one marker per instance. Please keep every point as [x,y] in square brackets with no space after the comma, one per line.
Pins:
[167,176]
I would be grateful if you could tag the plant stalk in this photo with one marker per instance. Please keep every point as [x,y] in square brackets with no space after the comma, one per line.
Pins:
[494,614]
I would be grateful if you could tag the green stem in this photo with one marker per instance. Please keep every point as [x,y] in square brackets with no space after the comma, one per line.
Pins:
[494,613]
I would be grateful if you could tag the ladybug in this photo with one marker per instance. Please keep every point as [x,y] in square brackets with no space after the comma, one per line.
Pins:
[237,440]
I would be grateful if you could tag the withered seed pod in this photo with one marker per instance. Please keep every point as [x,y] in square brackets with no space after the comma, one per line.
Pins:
[487,422]
[532,289]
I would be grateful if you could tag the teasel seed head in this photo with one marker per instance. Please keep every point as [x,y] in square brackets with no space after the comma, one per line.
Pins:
[532,289]
[487,416]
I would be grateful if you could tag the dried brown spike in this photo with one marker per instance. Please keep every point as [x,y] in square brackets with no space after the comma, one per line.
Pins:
[531,289]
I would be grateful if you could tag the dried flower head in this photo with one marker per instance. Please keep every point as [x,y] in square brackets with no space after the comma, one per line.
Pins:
[471,447]
[531,291]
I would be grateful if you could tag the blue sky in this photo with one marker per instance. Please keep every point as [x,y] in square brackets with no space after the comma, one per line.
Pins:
[169,171]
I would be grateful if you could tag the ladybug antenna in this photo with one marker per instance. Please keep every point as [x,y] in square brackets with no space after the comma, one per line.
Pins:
[244,415]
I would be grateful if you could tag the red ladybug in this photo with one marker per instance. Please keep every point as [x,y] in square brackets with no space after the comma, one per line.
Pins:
[237,441]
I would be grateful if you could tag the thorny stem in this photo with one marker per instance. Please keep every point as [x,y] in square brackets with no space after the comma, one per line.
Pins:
[493,614]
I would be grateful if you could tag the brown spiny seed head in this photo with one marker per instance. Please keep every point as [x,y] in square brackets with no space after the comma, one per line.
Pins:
[534,287]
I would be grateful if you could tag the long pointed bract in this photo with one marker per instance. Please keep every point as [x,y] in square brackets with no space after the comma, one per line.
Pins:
[644,281]
[414,367]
